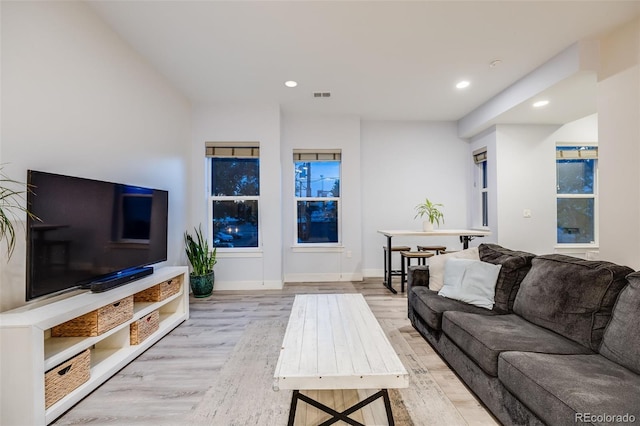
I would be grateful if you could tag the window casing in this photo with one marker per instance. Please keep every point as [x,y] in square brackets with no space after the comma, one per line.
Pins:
[233,194]
[317,197]
[576,193]
[482,184]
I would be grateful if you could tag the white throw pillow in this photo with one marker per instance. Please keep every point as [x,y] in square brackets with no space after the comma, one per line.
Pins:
[470,281]
[436,265]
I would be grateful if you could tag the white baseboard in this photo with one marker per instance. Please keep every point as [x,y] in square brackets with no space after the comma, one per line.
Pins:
[321,277]
[248,285]
[373,273]
[352,277]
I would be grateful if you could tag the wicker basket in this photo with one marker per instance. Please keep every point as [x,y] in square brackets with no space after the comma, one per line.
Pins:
[160,291]
[96,322]
[143,328]
[63,379]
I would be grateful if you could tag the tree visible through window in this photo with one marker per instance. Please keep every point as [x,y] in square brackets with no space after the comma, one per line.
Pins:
[317,196]
[576,194]
[234,195]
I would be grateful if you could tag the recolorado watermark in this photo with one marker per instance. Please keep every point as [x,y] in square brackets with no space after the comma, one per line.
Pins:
[604,418]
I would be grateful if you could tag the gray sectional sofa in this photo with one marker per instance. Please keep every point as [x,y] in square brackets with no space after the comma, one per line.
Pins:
[561,345]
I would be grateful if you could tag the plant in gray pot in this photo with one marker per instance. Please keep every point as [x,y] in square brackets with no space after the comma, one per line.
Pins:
[11,206]
[202,261]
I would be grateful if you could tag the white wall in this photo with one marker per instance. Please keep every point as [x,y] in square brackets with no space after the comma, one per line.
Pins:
[243,123]
[324,264]
[525,179]
[619,135]
[403,162]
[77,100]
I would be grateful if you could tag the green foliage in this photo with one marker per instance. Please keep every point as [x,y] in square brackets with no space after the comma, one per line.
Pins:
[431,210]
[335,190]
[11,204]
[197,249]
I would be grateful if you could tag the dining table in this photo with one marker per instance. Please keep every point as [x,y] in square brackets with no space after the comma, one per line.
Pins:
[465,235]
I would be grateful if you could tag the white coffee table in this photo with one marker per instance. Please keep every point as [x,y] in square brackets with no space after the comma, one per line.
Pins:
[333,341]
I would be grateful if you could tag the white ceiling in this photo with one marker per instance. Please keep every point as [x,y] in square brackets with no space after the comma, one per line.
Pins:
[380,60]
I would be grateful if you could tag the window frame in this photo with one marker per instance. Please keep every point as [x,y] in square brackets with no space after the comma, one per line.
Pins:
[241,198]
[481,183]
[594,195]
[337,200]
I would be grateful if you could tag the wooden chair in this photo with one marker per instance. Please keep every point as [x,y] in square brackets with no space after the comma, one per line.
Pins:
[422,257]
[437,249]
[393,272]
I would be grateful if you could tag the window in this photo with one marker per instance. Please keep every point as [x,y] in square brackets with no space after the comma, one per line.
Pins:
[317,196]
[234,193]
[576,170]
[480,159]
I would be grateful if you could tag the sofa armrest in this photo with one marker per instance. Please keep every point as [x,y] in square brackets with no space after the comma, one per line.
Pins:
[417,275]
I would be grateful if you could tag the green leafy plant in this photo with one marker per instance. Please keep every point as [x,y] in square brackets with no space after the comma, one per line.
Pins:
[197,249]
[11,207]
[431,211]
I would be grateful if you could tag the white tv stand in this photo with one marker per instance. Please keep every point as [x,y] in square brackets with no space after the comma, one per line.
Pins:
[27,349]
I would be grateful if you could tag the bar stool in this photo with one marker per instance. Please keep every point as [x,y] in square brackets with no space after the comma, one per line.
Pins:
[393,272]
[422,257]
[437,249]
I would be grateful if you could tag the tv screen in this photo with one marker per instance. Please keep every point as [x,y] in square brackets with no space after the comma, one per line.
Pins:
[88,230]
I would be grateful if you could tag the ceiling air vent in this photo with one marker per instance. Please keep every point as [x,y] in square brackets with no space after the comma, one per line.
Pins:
[321,94]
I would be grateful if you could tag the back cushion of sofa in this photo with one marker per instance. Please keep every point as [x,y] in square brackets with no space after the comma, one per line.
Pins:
[571,296]
[621,341]
[515,265]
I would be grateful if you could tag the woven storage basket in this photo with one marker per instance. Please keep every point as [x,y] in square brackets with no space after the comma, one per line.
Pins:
[143,328]
[61,380]
[159,291]
[96,322]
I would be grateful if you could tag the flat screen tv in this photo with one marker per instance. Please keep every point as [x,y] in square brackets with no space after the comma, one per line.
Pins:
[91,234]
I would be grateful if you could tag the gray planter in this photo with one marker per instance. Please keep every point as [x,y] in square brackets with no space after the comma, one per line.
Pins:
[202,285]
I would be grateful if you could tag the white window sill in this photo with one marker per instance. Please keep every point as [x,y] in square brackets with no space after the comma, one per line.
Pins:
[238,252]
[317,249]
[576,246]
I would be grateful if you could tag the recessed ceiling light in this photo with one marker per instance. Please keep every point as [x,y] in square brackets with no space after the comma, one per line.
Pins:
[291,83]
[463,84]
[540,104]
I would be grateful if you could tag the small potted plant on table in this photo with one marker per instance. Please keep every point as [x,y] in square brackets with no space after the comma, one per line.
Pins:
[432,212]
[202,261]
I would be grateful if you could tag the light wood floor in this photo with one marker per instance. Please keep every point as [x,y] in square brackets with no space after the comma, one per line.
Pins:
[168,380]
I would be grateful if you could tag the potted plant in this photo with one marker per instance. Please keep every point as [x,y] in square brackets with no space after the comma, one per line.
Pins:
[432,212]
[202,261]
[10,207]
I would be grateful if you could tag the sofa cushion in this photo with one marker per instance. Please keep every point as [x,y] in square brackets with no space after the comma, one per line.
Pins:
[470,281]
[483,338]
[565,389]
[436,265]
[621,341]
[571,296]
[430,306]
[515,265]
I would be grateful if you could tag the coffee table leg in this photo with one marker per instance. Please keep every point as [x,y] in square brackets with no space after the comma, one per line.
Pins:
[387,406]
[344,416]
[292,410]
